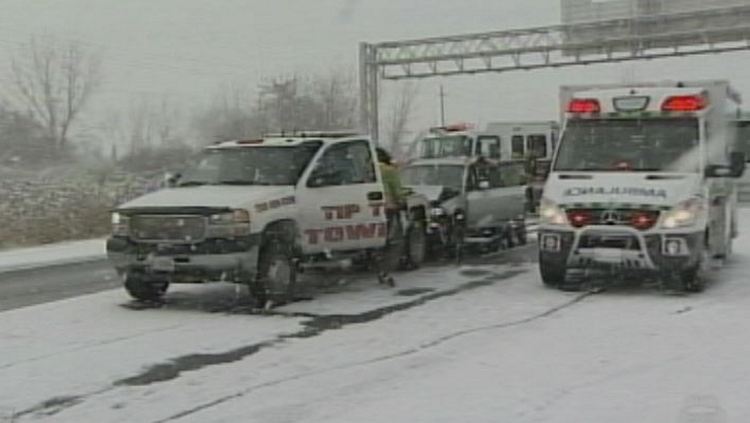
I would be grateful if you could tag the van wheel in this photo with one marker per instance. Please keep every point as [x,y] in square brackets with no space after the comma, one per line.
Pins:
[142,288]
[553,275]
[276,281]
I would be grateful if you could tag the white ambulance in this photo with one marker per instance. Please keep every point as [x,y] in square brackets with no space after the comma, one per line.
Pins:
[642,185]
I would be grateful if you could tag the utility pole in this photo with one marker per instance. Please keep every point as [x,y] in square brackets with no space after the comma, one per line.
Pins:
[442,106]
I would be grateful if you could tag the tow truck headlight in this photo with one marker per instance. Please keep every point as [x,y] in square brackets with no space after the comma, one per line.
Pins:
[551,214]
[231,224]
[684,214]
[120,224]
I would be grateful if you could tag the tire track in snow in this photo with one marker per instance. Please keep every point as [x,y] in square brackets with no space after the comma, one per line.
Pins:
[219,401]
[315,326]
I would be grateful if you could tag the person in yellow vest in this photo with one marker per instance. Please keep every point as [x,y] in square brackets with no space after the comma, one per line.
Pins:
[391,181]
[394,201]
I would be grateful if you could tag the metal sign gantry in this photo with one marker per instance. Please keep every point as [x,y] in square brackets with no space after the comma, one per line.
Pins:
[648,37]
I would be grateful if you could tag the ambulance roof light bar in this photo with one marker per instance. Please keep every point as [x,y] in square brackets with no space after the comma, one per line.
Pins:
[685,103]
[584,105]
[456,127]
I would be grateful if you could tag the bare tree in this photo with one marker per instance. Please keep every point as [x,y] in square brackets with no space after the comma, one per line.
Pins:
[54,81]
[399,117]
[337,99]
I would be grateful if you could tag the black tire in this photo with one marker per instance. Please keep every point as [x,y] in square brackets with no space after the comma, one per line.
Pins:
[553,275]
[686,280]
[521,233]
[143,288]
[276,280]
[692,281]
[416,243]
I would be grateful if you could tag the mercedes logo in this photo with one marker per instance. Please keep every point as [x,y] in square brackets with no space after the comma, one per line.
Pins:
[611,217]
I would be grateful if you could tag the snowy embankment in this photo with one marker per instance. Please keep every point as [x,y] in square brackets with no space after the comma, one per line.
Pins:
[52,255]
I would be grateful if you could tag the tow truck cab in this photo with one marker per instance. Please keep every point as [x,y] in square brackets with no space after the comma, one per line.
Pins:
[253,212]
[642,184]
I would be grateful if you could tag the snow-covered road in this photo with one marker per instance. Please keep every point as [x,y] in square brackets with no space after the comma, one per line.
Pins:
[480,343]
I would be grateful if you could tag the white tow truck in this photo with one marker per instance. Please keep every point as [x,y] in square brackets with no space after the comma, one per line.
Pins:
[642,185]
[255,212]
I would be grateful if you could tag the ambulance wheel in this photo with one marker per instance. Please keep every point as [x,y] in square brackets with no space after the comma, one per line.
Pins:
[553,275]
[686,280]
[142,288]
[692,280]
[276,281]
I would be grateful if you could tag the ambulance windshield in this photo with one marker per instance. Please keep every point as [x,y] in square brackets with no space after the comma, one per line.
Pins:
[633,145]
[445,146]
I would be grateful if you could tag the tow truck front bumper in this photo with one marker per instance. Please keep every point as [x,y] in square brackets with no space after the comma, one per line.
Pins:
[621,249]
[210,260]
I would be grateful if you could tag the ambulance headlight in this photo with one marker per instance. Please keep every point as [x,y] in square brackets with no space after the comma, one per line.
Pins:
[685,214]
[551,214]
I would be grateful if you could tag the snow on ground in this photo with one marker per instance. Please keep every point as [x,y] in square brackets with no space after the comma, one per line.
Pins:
[472,344]
[51,255]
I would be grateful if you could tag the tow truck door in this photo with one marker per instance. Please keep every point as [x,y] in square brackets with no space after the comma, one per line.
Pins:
[341,201]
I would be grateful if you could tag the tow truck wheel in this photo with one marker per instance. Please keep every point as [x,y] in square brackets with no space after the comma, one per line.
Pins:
[142,288]
[553,275]
[277,274]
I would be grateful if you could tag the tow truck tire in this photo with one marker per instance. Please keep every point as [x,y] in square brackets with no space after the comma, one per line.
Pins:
[553,276]
[277,274]
[142,288]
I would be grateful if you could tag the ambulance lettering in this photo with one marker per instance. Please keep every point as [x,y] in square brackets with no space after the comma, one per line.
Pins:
[629,191]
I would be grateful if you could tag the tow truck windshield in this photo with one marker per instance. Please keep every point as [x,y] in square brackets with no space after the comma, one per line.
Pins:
[446,146]
[450,176]
[251,166]
[632,145]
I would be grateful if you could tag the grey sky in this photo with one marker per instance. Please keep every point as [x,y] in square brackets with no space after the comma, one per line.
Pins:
[188,48]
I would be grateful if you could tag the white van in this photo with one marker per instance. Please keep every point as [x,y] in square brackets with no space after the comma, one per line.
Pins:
[642,184]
